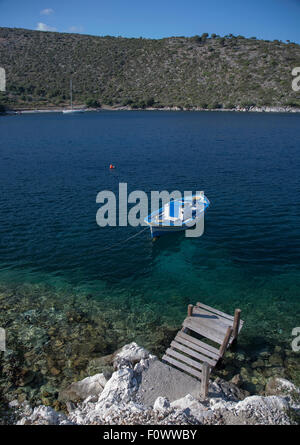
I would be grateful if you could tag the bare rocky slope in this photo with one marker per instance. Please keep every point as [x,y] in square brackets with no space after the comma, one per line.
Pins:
[205,72]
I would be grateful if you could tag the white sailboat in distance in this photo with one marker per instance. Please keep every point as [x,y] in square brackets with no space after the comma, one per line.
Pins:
[72,110]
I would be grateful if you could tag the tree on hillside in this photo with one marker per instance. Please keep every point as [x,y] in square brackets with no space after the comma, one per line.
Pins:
[2,101]
[196,38]
[150,102]
[92,103]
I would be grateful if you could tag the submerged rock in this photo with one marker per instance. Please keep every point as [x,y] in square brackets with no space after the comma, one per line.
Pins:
[101,365]
[228,390]
[237,380]
[26,377]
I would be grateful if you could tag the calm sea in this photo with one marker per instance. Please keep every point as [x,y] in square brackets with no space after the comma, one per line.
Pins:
[52,166]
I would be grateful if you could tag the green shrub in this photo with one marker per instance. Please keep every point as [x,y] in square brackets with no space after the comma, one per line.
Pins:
[92,103]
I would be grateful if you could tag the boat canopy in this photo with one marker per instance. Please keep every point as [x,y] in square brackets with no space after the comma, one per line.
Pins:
[173,210]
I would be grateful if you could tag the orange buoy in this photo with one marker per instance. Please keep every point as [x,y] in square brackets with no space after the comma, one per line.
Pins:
[111,166]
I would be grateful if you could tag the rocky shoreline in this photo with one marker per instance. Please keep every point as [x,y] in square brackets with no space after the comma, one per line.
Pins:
[99,400]
[55,338]
[250,109]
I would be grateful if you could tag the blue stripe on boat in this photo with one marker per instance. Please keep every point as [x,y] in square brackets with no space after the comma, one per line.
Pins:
[175,207]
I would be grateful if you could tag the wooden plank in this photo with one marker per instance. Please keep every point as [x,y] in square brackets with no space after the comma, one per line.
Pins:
[182,366]
[213,322]
[224,317]
[197,345]
[209,324]
[204,331]
[184,359]
[228,321]
[202,313]
[215,311]
[198,342]
[193,353]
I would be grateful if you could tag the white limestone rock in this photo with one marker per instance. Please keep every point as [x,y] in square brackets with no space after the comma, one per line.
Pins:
[130,355]
[270,410]
[278,386]
[120,387]
[144,364]
[44,415]
[262,404]
[14,404]
[161,404]
[117,395]
[90,386]
[191,407]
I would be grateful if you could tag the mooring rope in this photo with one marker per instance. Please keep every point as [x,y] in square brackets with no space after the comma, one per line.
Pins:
[125,240]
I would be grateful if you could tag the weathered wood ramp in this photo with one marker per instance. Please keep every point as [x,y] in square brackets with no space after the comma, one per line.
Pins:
[203,340]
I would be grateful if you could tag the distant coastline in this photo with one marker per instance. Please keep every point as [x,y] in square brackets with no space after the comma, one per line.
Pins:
[254,109]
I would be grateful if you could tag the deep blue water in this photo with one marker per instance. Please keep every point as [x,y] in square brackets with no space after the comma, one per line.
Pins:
[52,167]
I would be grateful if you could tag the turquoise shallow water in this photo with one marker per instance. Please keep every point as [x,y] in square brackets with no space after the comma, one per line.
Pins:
[52,167]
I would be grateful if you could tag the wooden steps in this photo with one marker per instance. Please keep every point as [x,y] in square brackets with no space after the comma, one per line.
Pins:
[197,345]
[184,358]
[197,357]
[182,366]
[193,353]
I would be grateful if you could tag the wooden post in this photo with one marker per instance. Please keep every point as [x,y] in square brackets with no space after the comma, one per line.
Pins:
[236,324]
[224,345]
[205,379]
[190,310]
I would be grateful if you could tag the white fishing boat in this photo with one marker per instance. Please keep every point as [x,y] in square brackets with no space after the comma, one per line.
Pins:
[177,215]
[72,110]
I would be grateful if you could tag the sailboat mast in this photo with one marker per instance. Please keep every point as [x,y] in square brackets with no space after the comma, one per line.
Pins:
[71,94]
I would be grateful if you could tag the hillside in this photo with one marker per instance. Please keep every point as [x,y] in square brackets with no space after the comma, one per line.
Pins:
[210,72]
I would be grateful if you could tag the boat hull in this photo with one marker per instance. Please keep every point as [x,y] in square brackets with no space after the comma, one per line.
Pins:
[73,111]
[157,231]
